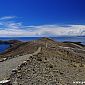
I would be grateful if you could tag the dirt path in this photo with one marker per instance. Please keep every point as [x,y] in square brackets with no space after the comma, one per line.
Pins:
[7,66]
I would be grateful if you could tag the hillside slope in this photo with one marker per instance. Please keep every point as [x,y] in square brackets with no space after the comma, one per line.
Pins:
[56,64]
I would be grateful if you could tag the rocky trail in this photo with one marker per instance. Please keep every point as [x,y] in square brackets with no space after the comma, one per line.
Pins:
[45,62]
[7,66]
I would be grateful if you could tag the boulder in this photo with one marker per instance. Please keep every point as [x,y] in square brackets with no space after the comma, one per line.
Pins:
[5,82]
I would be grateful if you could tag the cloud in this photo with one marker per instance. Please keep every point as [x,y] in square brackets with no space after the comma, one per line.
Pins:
[42,31]
[7,17]
[17,29]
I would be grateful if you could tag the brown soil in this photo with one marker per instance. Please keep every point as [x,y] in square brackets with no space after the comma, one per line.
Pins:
[57,63]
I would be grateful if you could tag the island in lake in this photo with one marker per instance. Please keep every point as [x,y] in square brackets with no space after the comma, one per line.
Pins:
[42,62]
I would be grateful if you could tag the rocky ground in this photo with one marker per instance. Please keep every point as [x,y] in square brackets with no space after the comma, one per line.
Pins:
[56,64]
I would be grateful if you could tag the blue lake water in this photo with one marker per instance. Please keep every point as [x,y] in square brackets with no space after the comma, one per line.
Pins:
[3,47]
[61,39]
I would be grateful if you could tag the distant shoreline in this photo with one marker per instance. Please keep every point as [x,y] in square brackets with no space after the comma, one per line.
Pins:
[59,38]
[12,42]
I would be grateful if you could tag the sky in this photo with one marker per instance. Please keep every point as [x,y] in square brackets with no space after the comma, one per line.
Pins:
[42,18]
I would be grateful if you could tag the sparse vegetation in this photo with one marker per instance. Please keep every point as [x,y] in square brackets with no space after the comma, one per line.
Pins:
[56,64]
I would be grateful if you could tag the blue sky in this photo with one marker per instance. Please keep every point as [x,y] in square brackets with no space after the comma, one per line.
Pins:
[42,17]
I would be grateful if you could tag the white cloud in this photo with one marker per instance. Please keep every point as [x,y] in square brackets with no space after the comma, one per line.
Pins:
[14,29]
[7,17]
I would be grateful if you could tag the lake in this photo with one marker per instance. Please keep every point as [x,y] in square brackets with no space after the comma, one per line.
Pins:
[61,39]
[3,47]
